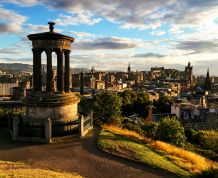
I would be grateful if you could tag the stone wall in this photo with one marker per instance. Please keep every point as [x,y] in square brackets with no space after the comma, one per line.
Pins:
[59,113]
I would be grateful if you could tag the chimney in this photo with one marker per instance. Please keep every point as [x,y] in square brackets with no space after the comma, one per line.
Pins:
[150,113]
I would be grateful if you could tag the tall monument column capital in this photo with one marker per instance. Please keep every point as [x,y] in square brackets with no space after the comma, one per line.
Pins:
[67,52]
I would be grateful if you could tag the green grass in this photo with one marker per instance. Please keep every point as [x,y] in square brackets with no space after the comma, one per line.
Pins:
[5,136]
[116,144]
[153,153]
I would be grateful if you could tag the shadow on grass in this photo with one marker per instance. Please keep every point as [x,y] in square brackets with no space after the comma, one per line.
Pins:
[207,174]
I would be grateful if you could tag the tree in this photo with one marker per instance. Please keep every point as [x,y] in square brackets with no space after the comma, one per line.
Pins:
[134,102]
[86,105]
[107,106]
[141,103]
[128,98]
[171,130]
[163,105]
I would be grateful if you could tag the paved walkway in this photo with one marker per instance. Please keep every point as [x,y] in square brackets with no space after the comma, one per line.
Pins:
[81,156]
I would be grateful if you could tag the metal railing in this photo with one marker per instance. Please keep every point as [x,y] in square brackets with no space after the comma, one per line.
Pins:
[67,128]
[31,130]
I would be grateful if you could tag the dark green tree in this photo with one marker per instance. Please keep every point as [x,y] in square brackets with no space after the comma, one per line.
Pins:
[141,103]
[163,105]
[128,98]
[134,102]
[171,130]
[107,106]
[86,105]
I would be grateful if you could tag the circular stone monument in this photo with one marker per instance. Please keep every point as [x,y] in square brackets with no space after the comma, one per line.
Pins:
[59,105]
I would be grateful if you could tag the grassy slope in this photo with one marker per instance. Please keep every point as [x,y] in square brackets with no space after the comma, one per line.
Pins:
[21,170]
[154,153]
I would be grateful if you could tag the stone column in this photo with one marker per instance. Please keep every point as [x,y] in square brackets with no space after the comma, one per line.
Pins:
[48,130]
[37,84]
[81,128]
[60,77]
[91,119]
[67,72]
[49,71]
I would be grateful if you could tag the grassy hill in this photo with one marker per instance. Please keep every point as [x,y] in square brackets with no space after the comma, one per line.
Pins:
[18,170]
[156,154]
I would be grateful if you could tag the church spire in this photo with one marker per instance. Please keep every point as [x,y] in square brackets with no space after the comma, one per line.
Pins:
[208,75]
[207,82]
[129,68]
[189,64]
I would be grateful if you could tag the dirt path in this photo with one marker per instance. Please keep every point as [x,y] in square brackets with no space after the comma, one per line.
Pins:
[81,156]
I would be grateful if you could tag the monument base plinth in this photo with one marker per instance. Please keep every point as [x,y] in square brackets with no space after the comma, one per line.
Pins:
[61,107]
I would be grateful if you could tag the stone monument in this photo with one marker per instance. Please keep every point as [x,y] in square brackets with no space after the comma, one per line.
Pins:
[60,105]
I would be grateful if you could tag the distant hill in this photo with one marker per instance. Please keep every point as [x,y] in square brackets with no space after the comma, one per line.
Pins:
[19,67]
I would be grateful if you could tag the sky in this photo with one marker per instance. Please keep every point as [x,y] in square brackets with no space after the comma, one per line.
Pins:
[111,33]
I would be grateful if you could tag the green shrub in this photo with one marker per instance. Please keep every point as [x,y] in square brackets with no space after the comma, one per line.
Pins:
[150,129]
[132,126]
[189,134]
[171,130]
[207,139]
[107,106]
[117,121]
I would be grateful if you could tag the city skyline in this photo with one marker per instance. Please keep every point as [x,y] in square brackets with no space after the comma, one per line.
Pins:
[109,35]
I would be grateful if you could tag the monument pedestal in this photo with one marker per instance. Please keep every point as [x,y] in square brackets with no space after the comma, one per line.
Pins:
[56,106]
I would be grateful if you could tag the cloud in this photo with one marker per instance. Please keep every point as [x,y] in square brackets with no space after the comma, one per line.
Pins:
[158,33]
[77,19]
[20,2]
[107,43]
[10,21]
[140,14]
[81,34]
[10,51]
[199,46]
[36,28]
[149,55]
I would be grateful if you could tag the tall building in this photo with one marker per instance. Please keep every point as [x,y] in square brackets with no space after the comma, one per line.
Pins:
[189,74]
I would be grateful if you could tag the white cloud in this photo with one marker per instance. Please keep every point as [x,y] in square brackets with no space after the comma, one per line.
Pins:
[20,2]
[77,18]
[10,21]
[81,34]
[158,33]
[108,43]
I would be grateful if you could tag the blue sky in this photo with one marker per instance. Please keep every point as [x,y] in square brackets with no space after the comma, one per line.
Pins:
[110,34]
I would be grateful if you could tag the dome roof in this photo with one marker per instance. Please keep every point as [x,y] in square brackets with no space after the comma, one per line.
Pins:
[51,35]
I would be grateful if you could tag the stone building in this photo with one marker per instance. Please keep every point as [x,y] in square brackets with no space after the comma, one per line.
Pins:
[6,88]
